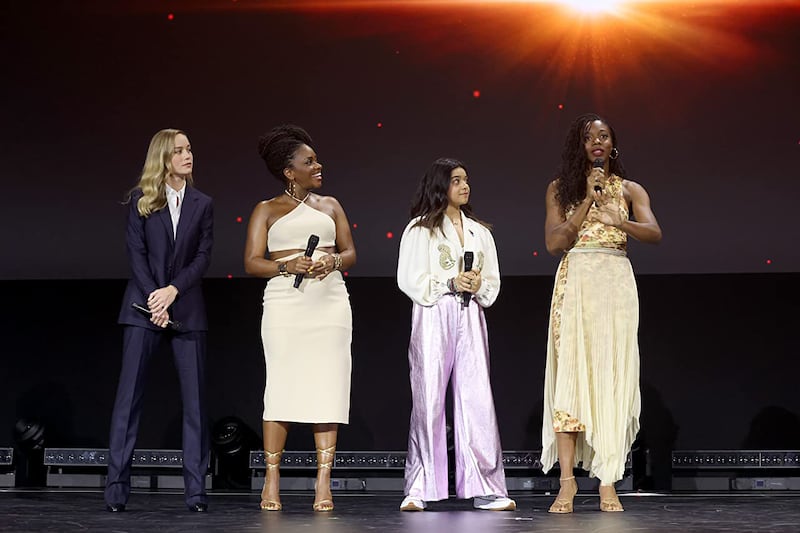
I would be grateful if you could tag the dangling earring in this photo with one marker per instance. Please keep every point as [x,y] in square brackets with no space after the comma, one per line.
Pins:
[614,153]
[291,187]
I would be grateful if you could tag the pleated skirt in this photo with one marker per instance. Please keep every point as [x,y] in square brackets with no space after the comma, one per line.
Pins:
[592,371]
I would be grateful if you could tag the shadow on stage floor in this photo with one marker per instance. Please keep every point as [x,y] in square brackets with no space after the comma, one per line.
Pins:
[50,510]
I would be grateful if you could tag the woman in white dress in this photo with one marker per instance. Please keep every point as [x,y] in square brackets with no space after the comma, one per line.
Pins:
[307,326]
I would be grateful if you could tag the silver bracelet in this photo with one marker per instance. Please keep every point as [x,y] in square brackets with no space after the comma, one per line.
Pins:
[337,261]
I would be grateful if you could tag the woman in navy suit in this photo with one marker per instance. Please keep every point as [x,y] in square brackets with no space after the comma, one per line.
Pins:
[169,239]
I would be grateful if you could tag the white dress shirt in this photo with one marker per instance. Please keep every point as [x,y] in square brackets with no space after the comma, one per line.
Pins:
[175,202]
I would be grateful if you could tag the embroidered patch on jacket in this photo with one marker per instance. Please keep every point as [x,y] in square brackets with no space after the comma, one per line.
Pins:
[446,260]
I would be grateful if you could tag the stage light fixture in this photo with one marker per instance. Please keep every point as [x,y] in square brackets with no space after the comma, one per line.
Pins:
[231,436]
[6,456]
[99,457]
[512,460]
[231,441]
[738,459]
[29,435]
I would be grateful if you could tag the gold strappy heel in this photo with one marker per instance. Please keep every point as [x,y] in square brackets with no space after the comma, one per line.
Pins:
[270,505]
[327,504]
[611,505]
[563,505]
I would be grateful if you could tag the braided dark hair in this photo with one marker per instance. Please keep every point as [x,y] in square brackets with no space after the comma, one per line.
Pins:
[278,147]
[571,176]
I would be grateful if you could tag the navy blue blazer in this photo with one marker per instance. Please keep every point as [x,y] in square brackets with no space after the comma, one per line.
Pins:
[157,260]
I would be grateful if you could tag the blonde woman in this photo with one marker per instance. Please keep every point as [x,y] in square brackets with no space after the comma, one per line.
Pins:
[169,239]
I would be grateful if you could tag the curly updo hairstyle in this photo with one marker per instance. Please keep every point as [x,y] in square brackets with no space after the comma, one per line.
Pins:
[278,147]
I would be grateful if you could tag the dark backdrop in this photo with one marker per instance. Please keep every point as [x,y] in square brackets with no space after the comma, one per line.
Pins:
[703,96]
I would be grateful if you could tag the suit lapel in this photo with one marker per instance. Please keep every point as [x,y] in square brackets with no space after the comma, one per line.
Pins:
[166,219]
[188,213]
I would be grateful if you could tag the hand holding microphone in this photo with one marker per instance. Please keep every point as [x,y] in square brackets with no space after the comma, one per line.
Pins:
[172,324]
[313,240]
[469,257]
[595,180]
[467,282]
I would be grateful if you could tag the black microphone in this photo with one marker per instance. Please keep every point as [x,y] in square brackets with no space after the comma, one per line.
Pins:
[598,163]
[313,240]
[468,258]
[173,324]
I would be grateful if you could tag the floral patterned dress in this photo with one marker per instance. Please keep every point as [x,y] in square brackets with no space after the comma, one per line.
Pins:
[592,372]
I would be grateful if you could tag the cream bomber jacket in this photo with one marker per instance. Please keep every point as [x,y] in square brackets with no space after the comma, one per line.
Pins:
[429,258]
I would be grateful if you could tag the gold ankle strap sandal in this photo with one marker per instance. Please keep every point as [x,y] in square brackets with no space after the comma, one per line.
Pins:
[563,505]
[272,455]
[266,504]
[329,453]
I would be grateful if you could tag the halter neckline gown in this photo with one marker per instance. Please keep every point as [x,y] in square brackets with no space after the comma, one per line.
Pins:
[306,332]
[592,371]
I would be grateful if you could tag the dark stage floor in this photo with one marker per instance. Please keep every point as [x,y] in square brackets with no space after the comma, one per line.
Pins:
[48,510]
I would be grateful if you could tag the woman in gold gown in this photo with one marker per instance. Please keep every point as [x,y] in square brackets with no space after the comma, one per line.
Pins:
[591,391]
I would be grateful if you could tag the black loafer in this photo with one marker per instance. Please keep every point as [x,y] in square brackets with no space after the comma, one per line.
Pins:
[115,507]
[198,507]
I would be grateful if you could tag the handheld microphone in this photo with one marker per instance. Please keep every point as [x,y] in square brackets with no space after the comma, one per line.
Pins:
[313,240]
[468,258]
[173,324]
[598,163]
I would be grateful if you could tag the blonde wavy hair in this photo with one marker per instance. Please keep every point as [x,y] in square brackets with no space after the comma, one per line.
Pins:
[155,172]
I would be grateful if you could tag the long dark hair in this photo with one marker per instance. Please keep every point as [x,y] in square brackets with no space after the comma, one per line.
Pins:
[278,147]
[571,176]
[430,201]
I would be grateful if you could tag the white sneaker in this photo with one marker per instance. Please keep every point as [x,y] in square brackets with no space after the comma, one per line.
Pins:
[494,503]
[411,503]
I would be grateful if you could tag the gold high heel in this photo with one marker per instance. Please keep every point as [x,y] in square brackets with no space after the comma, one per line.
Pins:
[611,505]
[270,505]
[563,505]
[326,505]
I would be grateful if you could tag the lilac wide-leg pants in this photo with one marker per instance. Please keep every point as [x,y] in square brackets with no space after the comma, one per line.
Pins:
[450,343]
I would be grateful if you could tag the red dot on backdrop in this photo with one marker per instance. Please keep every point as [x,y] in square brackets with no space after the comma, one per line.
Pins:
[170,16]
[379,124]
[389,234]
[355,226]
[476,94]
[238,219]
[535,254]
[769,261]
[230,276]
[561,106]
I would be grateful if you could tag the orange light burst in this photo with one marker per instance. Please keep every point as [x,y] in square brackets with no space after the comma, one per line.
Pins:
[568,35]
[593,6]
[597,41]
